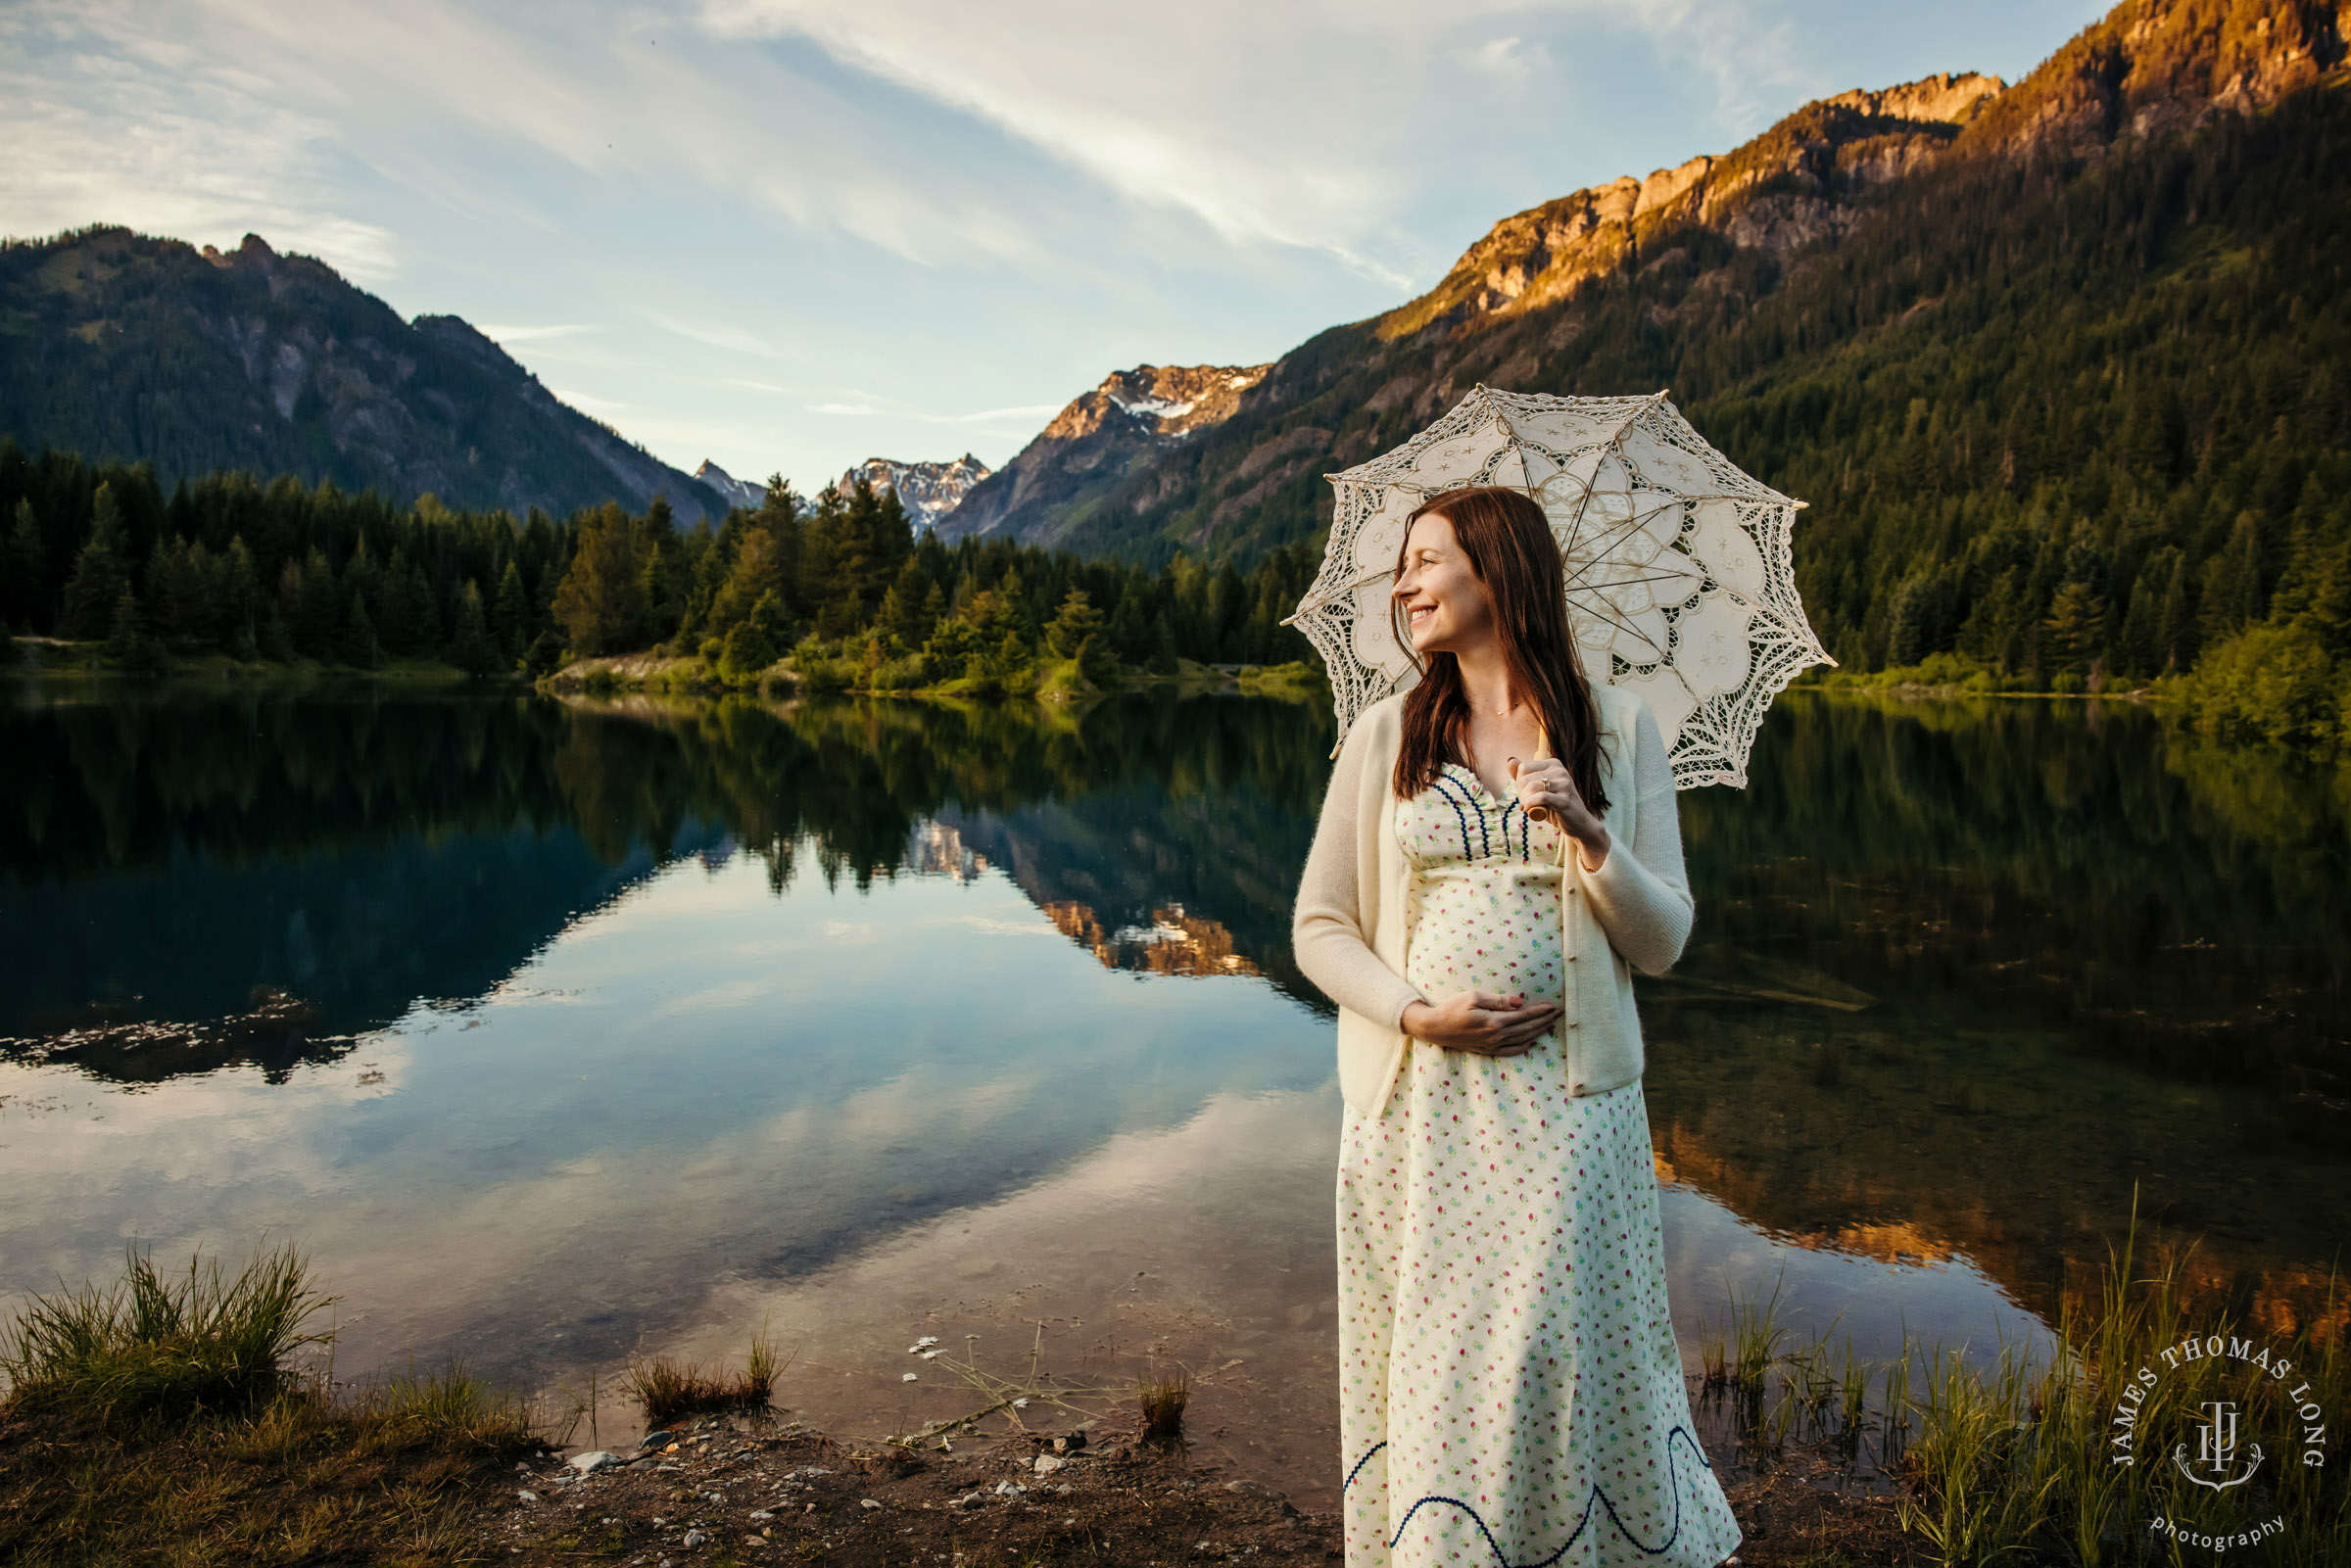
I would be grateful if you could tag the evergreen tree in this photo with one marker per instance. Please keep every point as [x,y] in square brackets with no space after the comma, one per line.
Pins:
[183,594]
[23,593]
[1162,647]
[274,642]
[2233,596]
[100,576]
[359,647]
[1130,625]
[761,569]
[129,643]
[470,646]
[664,577]
[1227,606]
[601,603]
[2070,637]
[2177,643]
[746,651]
[545,656]
[2142,624]
[306,603]
[662,610]
[406,622]
[511,616]
[363,582]
[2330,610]
[1077,622]
[241,600]
[910,594]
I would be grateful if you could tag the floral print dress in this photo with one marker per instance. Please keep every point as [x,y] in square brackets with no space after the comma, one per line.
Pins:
[1512,1391]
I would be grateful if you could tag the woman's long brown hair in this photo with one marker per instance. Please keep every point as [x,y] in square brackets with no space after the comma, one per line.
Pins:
[1506,540]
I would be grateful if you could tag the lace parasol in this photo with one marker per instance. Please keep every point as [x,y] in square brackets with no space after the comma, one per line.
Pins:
[1680,582]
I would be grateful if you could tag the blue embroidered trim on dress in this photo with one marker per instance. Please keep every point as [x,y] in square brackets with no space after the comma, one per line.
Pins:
[1525,842]
[1503,1559]
[1487,847]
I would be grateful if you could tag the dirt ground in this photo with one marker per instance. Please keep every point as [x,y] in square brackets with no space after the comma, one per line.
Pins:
[726,1491]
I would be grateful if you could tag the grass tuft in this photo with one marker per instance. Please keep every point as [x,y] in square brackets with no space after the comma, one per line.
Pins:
[2023,1456]
[665,1390]
[152,1346]
[452,1408]
[156,1420]
[1163,1396]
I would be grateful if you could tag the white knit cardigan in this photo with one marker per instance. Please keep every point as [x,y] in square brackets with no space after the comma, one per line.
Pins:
[1633,913]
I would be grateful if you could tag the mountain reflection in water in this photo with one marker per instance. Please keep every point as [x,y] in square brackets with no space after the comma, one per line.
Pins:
[674,1006]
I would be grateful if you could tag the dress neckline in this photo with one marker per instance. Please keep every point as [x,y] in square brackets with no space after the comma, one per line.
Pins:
[1467,777]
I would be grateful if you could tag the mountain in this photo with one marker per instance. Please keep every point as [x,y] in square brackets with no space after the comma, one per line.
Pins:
[120,346]
[734,492]
[1096,447]
[2059,365]
[1800,183]
[928,491]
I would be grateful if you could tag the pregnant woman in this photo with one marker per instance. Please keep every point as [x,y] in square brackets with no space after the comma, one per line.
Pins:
[1498,849]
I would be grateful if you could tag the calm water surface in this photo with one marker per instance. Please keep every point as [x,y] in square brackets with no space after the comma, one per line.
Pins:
[562,1032]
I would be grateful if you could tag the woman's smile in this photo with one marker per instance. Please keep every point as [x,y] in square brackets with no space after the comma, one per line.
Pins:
[1437,592]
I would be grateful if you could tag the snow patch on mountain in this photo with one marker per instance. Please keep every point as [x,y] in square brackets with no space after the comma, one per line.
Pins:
[928,491]
[735,492]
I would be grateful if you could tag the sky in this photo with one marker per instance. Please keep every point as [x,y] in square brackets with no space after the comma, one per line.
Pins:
[788,235]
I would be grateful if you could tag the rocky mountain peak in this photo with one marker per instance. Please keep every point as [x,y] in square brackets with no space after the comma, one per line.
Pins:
[734,492]
[279,366]
[1952,99]
[2151,67]
[1095,444]
[1785,188]
[928,491]
[1165,400]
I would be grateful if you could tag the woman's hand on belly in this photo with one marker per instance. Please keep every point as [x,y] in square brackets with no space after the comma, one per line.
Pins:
[1482,1023]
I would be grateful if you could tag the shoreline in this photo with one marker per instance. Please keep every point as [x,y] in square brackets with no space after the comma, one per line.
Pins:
[725,1491]
[40,659]
[1054,682]
[775,1491]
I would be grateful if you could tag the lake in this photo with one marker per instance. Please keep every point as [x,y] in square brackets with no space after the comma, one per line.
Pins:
[562,1031]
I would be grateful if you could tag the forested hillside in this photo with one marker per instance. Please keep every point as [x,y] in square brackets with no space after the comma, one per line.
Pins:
[2065,385]
[126,348]
[226,565]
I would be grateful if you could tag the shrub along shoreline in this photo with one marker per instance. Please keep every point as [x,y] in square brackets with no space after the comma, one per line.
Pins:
[1051,680]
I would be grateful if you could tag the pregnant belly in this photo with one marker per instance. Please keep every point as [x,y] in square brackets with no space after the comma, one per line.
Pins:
[1473,939]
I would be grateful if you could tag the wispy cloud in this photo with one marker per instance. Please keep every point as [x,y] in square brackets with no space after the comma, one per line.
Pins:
[1026,411]
[218,156]
[1276,124]
[904,218]
[1023,415]
[503,335]
[717,337]
[227,111]
[608,409]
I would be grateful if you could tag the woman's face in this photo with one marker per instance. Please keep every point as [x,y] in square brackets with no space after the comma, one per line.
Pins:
[1445,607]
